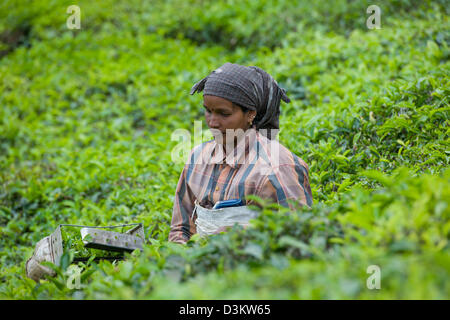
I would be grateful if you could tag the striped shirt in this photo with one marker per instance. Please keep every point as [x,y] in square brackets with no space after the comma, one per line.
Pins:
[257,166]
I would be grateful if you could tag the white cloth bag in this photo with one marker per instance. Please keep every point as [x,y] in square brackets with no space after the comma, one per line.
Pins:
[209,221]
[41,253]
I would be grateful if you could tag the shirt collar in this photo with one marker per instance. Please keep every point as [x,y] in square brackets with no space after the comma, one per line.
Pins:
[237,155]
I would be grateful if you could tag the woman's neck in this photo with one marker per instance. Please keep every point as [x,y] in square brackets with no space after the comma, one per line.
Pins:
[237,139]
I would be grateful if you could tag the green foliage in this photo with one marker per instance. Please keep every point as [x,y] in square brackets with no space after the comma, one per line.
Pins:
[87,117]
[73,242]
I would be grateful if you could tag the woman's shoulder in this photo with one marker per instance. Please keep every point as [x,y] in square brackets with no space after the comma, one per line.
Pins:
[277,154]
[196,153]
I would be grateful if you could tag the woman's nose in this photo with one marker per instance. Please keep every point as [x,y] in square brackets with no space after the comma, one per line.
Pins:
[213,122]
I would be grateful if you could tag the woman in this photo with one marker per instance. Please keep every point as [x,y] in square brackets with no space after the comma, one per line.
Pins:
[242,108]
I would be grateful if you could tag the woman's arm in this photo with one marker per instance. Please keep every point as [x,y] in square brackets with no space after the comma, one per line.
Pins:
[288,182]
[182,226]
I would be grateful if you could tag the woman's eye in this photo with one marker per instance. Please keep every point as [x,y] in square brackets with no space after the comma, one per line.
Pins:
[223,114]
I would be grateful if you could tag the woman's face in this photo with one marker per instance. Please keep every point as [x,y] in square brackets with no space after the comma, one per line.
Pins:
[221,114]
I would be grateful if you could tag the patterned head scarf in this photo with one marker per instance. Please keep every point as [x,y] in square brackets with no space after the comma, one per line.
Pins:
[250,87]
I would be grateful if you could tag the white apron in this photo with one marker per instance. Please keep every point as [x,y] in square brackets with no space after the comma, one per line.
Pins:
[210,220]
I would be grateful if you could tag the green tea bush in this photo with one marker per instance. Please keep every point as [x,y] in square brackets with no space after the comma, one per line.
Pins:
[87,116]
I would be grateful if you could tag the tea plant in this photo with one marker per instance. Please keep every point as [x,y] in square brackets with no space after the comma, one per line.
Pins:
[85,124]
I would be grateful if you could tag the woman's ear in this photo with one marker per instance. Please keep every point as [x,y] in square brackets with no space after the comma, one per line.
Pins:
[251,116]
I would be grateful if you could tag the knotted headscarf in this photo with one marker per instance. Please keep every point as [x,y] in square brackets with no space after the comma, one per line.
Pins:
[250,87]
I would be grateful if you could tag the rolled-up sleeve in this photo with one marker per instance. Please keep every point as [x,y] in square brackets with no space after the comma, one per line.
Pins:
[288,182]
[182,226]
